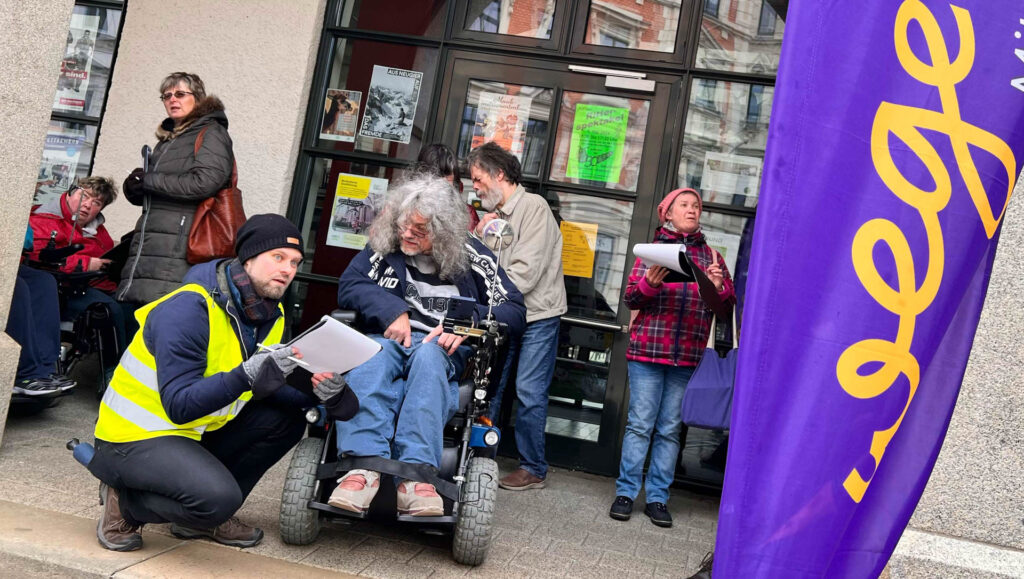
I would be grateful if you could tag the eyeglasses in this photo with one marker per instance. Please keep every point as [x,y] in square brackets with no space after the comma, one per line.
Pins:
[178,94]
[87,197]
[417,231]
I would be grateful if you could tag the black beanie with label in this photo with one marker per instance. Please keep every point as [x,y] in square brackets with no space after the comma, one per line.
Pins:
[265,232]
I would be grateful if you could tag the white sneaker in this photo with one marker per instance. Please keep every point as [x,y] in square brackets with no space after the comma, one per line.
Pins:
[419,500]
[355,490]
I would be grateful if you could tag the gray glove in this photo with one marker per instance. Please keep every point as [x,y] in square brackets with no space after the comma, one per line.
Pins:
[328,388]
[277,354]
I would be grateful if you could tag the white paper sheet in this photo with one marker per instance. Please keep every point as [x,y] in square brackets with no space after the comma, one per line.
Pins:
[331,346]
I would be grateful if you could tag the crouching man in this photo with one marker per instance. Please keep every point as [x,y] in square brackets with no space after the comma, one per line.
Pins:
[418,256]
[198,408]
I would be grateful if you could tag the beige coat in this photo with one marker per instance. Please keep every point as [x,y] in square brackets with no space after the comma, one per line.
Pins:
[534,260]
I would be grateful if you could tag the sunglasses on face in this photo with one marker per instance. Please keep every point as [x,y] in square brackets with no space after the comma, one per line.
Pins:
[178,94]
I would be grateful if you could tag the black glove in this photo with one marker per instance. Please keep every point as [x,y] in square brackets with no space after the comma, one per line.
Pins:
[339,400]
[132,187]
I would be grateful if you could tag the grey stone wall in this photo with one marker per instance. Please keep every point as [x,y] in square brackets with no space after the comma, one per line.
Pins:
[256,55]
[971,516]
[30,51]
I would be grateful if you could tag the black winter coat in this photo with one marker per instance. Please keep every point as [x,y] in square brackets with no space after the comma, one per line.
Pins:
[179,178]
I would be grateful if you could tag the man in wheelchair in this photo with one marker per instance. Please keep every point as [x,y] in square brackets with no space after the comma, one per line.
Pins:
[76,217]
[417,258]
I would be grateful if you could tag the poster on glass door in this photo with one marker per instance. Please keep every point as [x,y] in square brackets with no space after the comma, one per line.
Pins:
[391,104]
[501,119]
[341,115]
[61,153]
[356,200]
[76,65]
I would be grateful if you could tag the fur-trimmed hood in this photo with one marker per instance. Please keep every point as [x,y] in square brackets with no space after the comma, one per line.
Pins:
[211,106]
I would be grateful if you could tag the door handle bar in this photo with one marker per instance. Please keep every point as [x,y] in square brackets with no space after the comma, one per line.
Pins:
[596,325]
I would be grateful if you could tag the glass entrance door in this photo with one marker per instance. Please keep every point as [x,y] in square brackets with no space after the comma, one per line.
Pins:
[593,153]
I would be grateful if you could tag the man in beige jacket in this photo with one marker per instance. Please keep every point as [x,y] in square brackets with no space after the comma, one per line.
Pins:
[534,264]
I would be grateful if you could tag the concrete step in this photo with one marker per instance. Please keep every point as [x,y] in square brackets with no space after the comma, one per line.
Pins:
[42,543]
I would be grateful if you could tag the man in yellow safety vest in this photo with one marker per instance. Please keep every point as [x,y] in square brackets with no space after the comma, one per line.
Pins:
[198,408]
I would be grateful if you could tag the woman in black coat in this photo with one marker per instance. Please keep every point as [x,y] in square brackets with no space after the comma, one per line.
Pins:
[180,176]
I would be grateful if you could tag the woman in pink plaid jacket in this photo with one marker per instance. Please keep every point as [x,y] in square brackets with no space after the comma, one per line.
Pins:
[666,341]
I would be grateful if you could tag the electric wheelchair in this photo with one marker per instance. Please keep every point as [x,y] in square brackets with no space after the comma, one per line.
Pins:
[467,479]
[93,330]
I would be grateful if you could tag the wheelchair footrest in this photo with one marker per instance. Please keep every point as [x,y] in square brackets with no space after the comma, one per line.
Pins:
[335,511]
[417,472]
[446,520]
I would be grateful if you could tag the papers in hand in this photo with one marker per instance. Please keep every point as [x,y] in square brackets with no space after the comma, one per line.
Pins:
[331,346]
[670,255]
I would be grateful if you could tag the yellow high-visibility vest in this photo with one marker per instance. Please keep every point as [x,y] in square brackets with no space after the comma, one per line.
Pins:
[131,409]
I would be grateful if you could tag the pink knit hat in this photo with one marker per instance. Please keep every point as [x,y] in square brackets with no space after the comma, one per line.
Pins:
[666,203]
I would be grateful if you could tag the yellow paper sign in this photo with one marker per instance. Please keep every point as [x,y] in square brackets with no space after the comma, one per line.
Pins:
[352,186]
[579,242]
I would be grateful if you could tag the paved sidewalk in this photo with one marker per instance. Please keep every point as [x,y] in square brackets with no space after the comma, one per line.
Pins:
[560,531]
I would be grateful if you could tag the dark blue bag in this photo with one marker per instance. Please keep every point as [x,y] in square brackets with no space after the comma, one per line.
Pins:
[707,402]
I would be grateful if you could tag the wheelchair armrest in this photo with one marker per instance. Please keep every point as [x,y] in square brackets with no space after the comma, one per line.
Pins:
[55,257]
[347,317]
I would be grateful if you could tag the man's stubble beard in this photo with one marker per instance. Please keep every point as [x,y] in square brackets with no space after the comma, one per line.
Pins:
[267,291]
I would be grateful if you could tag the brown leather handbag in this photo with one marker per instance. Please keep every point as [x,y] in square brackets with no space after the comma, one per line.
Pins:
[217,220]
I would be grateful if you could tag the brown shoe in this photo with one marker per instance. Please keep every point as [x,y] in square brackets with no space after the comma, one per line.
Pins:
[520,480]
[233,533]
[112,530]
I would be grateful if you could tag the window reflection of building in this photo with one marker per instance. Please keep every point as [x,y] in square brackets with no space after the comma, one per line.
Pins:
[527,18]
[649,25]
[600,294]
[747,37]
[729,118]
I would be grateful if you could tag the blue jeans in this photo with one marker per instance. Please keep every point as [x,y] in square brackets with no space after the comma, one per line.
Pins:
[655,399]
[34,323]
[406,395]
[535,365]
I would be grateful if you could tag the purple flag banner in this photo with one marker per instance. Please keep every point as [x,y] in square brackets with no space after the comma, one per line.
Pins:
[896,137]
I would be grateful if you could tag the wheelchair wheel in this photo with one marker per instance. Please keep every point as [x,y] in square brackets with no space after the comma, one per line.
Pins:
[300,524]
[476,512]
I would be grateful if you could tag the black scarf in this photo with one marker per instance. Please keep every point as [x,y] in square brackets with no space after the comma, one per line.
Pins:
[256,308]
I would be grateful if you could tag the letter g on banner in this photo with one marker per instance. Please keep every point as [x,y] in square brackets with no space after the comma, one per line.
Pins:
[893,359]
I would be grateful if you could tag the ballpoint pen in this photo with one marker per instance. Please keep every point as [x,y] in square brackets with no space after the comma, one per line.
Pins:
[292,358]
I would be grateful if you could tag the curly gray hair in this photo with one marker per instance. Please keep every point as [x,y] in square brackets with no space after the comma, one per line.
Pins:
[437,201]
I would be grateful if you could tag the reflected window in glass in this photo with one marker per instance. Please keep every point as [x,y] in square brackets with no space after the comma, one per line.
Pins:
[766,24]
[377,97]
[754,103]
[530,19]
[650,25]
[595,244]
[600,140]
[516,117]
[746,38]
[724,142]
[419,18]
